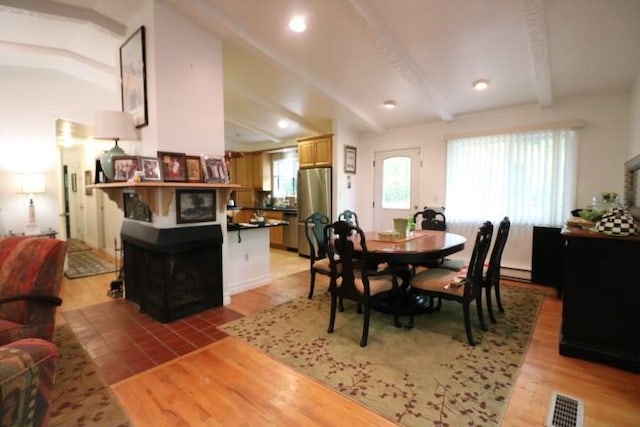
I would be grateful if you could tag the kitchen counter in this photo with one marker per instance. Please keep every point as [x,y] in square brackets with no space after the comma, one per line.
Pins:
[233,226]
[285,210]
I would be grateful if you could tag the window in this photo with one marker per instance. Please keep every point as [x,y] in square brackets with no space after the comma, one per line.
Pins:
[396,183]
[285,177]
[527,176]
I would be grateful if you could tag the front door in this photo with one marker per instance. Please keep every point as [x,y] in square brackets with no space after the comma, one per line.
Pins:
[396,186]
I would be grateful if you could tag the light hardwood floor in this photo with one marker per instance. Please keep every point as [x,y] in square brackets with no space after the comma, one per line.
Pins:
[230,383]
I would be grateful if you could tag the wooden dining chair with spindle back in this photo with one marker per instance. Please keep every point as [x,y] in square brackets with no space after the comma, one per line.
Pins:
[446,284]
[350,279]
[318,261]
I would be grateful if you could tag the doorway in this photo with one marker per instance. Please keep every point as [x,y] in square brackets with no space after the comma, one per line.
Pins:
[396,186]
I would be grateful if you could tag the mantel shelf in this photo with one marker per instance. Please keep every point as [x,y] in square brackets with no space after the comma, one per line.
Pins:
[157,195]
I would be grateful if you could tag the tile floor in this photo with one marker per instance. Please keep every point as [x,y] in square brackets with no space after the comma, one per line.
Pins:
[123,342]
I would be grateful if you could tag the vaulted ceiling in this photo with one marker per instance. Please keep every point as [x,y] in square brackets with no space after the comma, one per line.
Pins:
[356,54]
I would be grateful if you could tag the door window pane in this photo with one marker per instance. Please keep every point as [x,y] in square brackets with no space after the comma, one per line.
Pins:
[396,183]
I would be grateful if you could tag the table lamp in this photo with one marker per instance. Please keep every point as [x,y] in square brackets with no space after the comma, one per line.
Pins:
[31,184]
[114,125]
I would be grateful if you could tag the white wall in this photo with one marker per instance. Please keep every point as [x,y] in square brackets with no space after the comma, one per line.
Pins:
[345,186]
[603,146]
[603,149]
[32,101]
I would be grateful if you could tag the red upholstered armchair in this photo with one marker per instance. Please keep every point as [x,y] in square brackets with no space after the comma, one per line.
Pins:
[27,371]
[30,276]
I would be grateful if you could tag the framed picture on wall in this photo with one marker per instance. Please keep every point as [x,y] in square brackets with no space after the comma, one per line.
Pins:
[133,76]
[349,159]
[195,205]
[87,181]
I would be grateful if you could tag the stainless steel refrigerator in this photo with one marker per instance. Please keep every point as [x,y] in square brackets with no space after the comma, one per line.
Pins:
[314,195]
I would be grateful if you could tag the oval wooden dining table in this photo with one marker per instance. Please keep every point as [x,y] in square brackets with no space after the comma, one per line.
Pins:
[418,247]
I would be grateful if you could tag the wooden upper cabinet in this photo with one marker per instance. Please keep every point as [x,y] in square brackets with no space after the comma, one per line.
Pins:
[315,151]
[252,171]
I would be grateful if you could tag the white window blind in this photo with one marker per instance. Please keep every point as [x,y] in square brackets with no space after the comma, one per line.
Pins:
[528,176]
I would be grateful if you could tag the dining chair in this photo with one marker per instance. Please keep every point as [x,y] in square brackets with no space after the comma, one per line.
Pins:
[350,279]
[491,271]
[349,216]
[451,285]
[431,219]
[318,261]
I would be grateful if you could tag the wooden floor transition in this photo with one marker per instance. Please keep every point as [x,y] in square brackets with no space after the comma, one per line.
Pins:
[252,389]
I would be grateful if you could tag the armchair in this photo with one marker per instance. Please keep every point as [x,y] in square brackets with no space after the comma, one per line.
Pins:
[27,370]
[30,276]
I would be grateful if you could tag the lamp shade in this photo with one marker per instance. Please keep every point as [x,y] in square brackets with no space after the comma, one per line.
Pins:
[114,125]
[31,183]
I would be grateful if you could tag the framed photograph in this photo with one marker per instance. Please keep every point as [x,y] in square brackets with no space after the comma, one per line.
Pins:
[135,208]
[87,181]
[151,170]
[174,166]
[133,76]
[195,206]
[194,169]
[215,170]
[74,182]
[124,168]
[349,159]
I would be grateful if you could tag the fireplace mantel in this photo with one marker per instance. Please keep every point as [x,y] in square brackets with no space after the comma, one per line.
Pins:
[157,195]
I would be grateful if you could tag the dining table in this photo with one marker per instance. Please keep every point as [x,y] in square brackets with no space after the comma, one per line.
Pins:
[400,254]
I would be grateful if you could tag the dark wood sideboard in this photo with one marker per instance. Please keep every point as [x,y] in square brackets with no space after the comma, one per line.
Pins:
[601,298]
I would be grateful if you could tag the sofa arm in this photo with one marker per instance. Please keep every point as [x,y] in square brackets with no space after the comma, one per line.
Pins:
[27,371]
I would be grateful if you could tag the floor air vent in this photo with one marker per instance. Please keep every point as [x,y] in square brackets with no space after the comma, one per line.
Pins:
[565,411]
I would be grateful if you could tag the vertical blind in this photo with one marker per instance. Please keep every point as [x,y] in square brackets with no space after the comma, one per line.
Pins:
[528,176]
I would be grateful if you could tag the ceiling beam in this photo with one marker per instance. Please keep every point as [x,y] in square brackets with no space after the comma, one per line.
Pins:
[247,126]
[290,115]
[66,11]
[200,10]
[533,11]
[56,52]
[396,54]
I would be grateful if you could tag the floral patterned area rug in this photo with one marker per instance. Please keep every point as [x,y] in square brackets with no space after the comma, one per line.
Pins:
[427,375]
[80,397]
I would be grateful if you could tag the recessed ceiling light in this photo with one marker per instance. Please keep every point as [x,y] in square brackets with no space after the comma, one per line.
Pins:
[297,24]
[481,85]
[283,124]
[390,104]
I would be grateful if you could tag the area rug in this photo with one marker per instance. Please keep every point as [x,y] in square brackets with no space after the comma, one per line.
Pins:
[80,396]
[76,245]
[427,375]
[86,263]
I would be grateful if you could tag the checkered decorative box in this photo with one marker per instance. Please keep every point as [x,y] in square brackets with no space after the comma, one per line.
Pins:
[617,223]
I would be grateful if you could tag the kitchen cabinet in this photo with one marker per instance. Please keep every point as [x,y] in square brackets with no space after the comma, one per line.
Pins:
[252,171]
[315,151]
[601,299]
[276,234]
